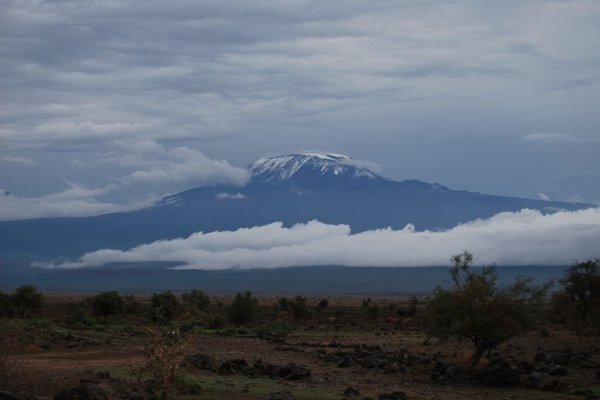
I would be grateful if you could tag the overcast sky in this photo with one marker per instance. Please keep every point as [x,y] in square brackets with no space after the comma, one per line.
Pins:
[111,104]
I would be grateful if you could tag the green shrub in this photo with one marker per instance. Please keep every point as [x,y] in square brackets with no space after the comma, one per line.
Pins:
[243,309]
[196,300]
[27,300]
[164,306]
[107,304]
[274,330]
[283,303]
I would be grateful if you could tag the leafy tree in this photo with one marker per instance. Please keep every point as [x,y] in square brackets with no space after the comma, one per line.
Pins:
[107,304]
[27,300]
[476,309]
[580,296]
[243,309]
[164,306]
[197,300]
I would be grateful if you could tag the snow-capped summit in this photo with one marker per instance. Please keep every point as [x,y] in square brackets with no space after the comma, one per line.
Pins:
[310,166]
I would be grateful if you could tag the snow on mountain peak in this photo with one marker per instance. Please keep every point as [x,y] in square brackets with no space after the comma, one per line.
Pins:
[281,168]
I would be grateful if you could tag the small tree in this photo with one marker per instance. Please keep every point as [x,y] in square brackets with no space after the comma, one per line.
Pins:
[107,304]
[27,300]
[581,295]
[474,308]
[243,309]
[164,306]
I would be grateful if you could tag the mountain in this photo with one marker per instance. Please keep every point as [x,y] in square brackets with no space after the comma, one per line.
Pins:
[332,188]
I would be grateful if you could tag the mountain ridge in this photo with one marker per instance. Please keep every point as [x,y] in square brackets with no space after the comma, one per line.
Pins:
[293,188]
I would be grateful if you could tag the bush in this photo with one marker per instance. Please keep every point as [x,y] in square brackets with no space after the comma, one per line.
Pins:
[7,309]
[274,330]
[283,303]
[164,306]
[107,304]
[474,308]
[243,309]
[196,300]
[323,304]
[27,300]
[580,296]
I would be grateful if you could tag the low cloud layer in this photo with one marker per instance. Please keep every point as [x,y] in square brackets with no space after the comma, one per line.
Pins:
[156,172]
[512,238]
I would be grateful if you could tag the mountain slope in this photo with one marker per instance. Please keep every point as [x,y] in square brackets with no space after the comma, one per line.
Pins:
[292,188]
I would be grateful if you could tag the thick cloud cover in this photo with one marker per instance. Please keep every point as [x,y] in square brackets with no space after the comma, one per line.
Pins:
[522,238]
[389,81]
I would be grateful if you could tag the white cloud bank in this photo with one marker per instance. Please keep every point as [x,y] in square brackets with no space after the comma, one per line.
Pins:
[512,238]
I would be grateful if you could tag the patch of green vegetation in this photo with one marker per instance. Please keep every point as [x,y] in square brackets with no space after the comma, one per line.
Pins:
[241,387]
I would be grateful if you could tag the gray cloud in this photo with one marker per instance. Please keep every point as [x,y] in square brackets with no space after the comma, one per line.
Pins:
[237,79]
[154,167]
[522,238]
[75,201]
[17,160]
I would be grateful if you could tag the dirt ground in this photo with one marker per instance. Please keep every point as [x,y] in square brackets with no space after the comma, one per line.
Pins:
[339,345]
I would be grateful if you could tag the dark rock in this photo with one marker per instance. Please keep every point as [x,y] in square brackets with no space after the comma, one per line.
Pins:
[283,395]
[4,395]
[560,358]
[561,387]
[351,392]
[540,356]
[294,372]
[558,371]
[200,361]
[499,376]
[441,366]
[534,380]
[393,396]
[88,391]
[525,367]
[347,362]
[232,366]
[369,362]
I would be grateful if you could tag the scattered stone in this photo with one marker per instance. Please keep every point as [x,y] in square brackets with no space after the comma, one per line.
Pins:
[351,392]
